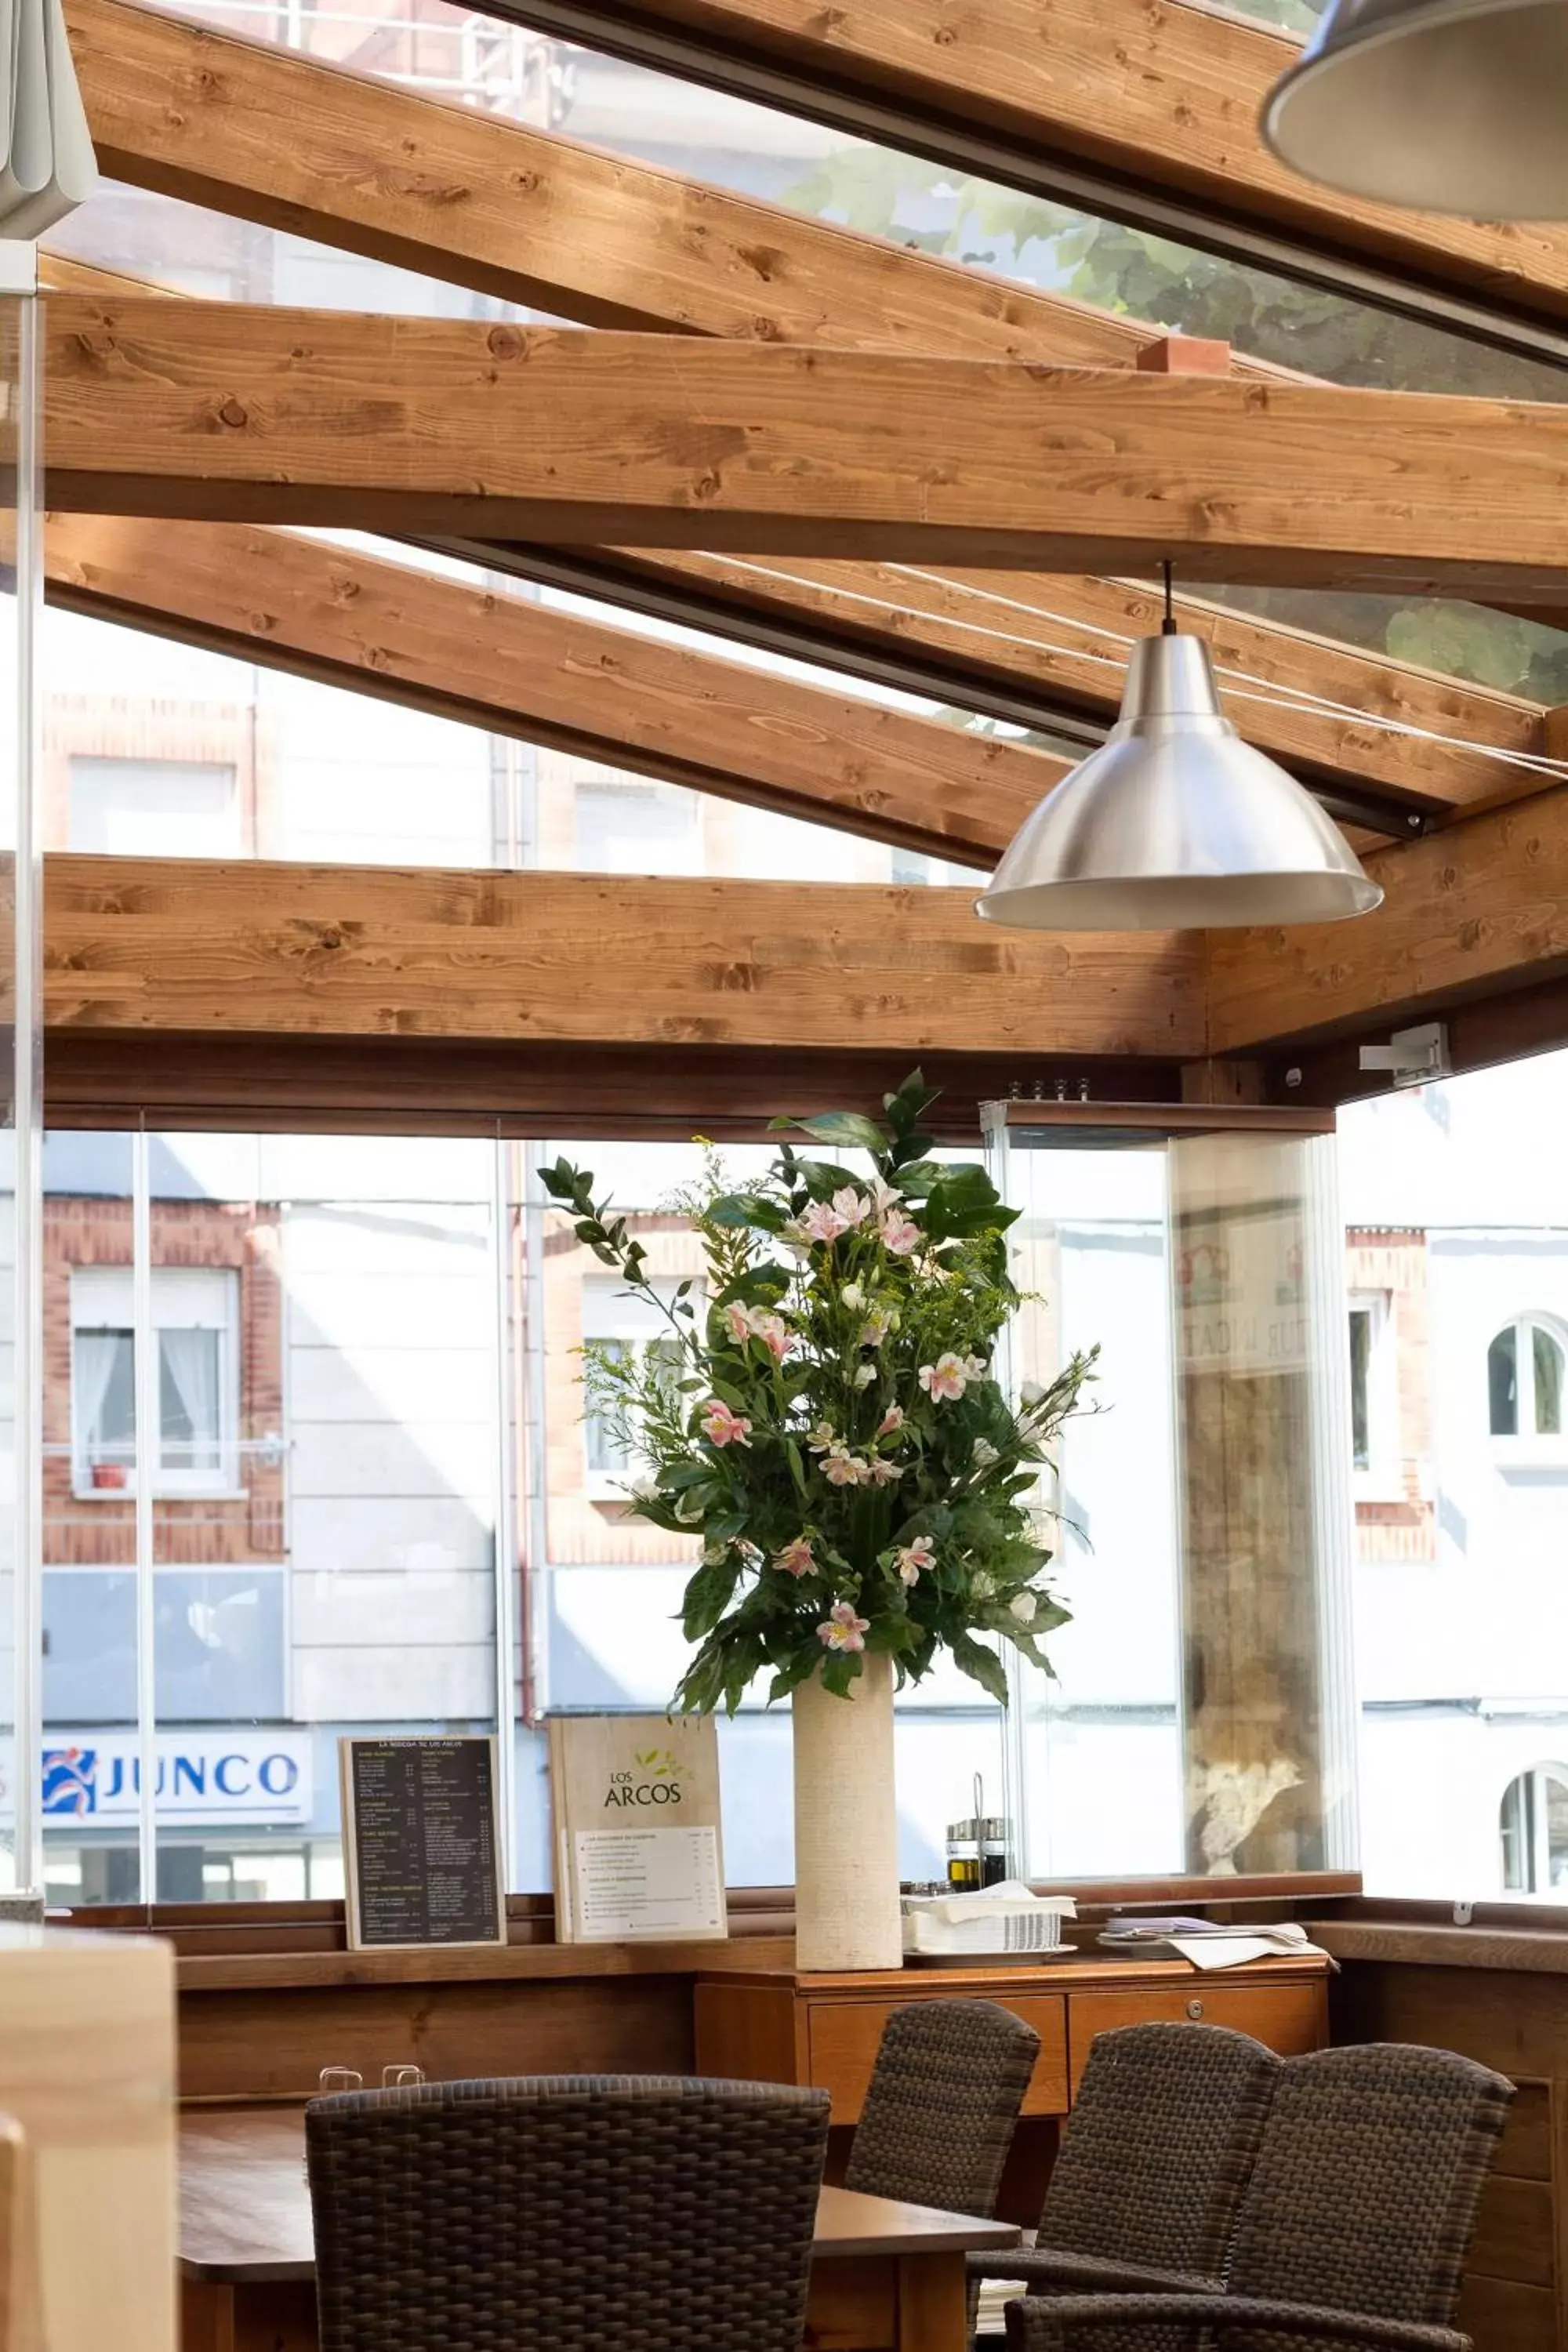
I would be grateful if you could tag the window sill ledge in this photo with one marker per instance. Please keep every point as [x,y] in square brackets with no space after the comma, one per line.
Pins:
[161,1494]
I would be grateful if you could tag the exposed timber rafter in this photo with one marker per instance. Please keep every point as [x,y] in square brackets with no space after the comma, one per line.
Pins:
[1049,652]
[216,412]
[1143,114]
[202,946]
[266,134]
[1472,914]
[476,199]
[518,667]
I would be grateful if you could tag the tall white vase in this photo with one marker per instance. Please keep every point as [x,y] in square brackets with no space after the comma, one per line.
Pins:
[846,1824]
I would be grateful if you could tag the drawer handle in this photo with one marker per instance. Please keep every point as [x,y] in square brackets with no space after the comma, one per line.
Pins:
[1195,2010]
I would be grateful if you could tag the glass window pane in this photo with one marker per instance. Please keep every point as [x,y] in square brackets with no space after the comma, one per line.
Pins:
[1461,1601]
[324,1525]
[1502,1382]
[90,1596]
[1547,1361]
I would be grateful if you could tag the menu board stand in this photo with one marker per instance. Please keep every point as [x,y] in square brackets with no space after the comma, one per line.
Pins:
[639,1853]
[422,1842]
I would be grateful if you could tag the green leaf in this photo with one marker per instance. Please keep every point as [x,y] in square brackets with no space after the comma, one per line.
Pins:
[708,1596]
[847,1127]
[980,1665]
[796,1467]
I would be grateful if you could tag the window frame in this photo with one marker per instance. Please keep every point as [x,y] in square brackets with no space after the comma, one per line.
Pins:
[223,1481]
[634,1324]
[1382,1480]
[1525,1443]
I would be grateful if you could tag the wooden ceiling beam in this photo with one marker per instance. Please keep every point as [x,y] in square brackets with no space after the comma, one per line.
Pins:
[506,209]
[1030,647]
[514,667]
[204,411]
[1475,911]
[198,947]
[1141,113]
[265,134]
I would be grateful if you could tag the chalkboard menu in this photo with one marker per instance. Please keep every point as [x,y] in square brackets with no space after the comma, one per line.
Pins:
[422,1842]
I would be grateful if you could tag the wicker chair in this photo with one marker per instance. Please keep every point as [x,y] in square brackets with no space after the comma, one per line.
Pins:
[1152,2164]
[943,2098]
[577,2211]
[1353,2228]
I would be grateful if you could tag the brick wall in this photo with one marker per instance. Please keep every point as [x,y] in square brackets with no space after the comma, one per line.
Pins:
[195,1530]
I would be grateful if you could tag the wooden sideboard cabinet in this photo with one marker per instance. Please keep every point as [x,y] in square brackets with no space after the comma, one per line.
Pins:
[778,2027]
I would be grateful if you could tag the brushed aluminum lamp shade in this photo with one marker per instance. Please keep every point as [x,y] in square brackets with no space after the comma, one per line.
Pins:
[1174,823]
[1451,106]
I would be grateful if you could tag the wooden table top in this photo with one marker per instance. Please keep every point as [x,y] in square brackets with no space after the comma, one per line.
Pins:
[244,2208]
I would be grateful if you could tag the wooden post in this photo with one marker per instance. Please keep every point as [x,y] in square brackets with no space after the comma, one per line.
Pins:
[1253,1729]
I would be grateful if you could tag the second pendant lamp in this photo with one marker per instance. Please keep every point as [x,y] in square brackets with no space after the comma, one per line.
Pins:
[1176,823]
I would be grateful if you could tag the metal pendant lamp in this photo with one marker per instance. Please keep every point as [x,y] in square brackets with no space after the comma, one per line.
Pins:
[1174,823]
[1451,106]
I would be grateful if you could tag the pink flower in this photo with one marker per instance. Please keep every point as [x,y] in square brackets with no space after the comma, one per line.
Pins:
[876,1327]
[723,1427]
[885,1473]
[947,1378]
[797,1558]
[822,1438]
[842,1468]
[853,1207]
[892,1419]
[822,1223]
[774,1332]
[739,1321]
[913,1556]
[884,1196]
[900,1233]
[844,1630]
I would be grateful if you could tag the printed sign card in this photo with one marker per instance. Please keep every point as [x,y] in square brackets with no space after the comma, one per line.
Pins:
[422,1842]
[638,1851]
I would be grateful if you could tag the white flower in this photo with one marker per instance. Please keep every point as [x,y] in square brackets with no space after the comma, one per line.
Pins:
[1022,1607]
[853,1296]
[865,1376]
[1031,1394]
[985,1454]
[975,1366]
[983,1587]
[851,1207]
[644,1489]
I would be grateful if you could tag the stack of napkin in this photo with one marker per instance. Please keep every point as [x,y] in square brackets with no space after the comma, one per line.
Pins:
[1209,1943]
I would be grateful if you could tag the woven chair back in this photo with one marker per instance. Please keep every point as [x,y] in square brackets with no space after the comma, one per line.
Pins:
[940,2107]
[1159,2146]
[573,2212]
[1364,2191]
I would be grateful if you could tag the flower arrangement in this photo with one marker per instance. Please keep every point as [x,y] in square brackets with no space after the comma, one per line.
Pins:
[828,1423]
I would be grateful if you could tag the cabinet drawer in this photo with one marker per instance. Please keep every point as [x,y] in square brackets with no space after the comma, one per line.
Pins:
[1290,2018]
[844,2037]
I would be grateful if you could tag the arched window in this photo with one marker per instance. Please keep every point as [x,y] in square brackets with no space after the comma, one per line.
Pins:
[1526,1370]
[1534,1819]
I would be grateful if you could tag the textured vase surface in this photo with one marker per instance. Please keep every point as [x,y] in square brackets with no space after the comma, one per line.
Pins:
[847,1826]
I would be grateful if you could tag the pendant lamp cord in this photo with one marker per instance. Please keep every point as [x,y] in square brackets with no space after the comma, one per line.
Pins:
[1168,625]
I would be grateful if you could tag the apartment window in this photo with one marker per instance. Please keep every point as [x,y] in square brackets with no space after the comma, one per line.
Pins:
[155,808]
[196,1321]
[627,827]
[621,1326]
[1534,1819]
[1525,1380]
[1374,1397]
